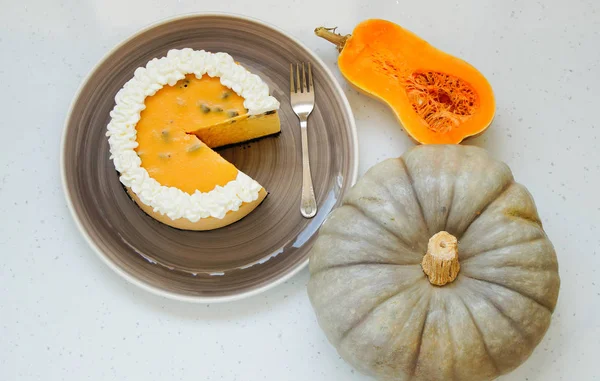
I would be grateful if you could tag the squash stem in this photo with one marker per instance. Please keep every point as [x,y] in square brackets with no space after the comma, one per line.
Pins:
[440,263]
[335,38]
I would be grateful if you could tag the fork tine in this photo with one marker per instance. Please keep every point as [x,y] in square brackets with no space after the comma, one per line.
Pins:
[298,87]
[304,84]
[292,89]
[310,81]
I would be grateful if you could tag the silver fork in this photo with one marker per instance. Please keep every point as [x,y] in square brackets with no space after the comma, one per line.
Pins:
[302,97]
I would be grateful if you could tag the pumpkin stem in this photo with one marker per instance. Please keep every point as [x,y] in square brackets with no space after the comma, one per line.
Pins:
[330,35]
[440,263]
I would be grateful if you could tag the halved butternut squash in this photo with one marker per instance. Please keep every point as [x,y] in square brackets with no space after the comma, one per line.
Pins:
[438,98]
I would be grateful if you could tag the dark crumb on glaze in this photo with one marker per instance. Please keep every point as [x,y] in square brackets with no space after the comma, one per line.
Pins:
[184,83]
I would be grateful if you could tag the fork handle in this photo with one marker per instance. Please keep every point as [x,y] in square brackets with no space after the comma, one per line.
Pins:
[308,203]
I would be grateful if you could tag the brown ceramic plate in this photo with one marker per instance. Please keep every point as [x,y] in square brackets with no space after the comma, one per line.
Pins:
[269,245]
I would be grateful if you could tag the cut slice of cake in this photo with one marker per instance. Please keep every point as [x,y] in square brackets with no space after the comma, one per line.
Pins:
[164,125]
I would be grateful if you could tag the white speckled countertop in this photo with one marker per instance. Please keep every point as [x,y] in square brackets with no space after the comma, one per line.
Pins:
[65,316]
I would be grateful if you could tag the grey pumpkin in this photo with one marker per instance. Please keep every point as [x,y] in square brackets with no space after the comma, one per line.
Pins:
[379,309]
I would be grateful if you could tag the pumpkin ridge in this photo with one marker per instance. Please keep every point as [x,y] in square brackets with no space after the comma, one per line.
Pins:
[485,346]
[374,245]
[485,208]
[519,215]
[365,263]
[406,244]
[531,269]
[501,311]
[452,341]
[414,191]
[415,307]
[418,352]
[395,200]
[382,302]
[436,162]
[511,289]
[452,203]
[466,261]
[334,233]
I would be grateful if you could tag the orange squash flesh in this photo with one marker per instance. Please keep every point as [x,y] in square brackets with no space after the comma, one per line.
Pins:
[438,98]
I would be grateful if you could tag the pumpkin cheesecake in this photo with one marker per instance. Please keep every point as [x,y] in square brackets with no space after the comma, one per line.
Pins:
[166,122]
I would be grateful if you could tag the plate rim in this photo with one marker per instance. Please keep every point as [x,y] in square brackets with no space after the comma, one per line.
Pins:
[112,265]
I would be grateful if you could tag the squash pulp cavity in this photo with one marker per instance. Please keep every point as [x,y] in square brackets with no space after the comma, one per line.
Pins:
[443,101]
[437,97]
